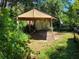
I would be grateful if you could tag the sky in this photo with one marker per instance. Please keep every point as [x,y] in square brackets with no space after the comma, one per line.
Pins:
[71,2]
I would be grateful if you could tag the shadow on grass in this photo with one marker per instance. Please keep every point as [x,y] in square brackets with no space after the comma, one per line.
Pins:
[69,52]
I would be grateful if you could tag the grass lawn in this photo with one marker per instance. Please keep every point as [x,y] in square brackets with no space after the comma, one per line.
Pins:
[64,48]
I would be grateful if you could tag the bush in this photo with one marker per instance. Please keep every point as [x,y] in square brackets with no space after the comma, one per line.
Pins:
[13,42]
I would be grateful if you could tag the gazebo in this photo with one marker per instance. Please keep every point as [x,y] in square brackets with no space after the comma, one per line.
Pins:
[34,15]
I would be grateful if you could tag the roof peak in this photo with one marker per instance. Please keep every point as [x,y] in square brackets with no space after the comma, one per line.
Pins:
[34,13]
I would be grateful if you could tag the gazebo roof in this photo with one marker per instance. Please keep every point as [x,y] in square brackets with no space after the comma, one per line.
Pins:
[34,14]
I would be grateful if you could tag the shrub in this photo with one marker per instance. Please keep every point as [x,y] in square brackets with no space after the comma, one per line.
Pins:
[13,42]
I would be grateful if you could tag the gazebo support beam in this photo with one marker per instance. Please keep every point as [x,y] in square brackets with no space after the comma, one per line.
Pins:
[29,26]
[51,27]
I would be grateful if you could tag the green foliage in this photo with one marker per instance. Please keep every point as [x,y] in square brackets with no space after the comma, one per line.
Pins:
[76,4]
[71,14]
[43,55]
[13,43]
[64,48]
[22,24]
[53,7]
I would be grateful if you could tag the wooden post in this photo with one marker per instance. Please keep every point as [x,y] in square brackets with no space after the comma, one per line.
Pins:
[34,25]
[29,26]
[34,22]
[51,27]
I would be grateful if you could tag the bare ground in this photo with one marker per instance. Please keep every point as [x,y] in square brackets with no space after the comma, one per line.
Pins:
[38,45]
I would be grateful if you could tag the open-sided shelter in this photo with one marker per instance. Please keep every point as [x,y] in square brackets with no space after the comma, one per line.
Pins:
[34,15]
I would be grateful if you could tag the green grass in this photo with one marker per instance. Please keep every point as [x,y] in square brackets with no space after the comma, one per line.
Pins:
[64,48]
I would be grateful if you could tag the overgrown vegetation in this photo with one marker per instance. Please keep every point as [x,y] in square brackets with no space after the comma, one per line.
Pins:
[65,48]
[13,42]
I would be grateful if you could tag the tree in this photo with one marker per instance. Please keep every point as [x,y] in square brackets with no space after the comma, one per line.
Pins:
[72,13]
[73,16]
[55,8]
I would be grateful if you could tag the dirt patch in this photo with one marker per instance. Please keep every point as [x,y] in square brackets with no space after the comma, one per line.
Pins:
[38,45]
